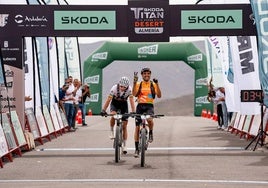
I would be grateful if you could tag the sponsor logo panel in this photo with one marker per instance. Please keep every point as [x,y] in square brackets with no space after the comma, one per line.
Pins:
[93,79]
[211,19]
[99,56]
[85,20]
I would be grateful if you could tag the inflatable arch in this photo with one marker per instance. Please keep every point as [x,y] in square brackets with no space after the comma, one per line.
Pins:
[111,51]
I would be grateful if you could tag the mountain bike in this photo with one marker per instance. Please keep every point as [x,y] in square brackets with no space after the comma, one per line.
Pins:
[143,135]
[118,140]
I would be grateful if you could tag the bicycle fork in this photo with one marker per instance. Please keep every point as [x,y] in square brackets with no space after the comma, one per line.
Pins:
[145,139]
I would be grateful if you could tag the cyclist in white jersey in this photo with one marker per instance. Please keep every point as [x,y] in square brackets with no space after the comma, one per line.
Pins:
[117,99]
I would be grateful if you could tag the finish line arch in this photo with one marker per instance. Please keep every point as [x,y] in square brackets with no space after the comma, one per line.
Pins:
[111,51]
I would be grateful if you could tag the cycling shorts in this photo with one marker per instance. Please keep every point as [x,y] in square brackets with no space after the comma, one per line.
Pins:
[119,105]
[143,108]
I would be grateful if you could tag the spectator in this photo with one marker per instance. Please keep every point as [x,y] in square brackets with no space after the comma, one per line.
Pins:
[85,93]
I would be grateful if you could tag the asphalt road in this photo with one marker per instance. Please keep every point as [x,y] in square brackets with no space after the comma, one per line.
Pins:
[186,152]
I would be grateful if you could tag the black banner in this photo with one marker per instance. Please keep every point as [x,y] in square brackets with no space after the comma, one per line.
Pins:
[140,20]
[84,21]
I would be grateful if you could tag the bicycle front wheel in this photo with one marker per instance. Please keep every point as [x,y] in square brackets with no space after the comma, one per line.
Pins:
[143,146]
[117,144]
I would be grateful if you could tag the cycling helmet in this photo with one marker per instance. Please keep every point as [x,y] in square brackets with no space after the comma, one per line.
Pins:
[124,81]
[145,70]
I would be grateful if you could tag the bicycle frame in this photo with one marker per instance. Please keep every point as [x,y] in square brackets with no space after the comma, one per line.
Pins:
[143,138]
[118,140]
[143,135]
[118,136]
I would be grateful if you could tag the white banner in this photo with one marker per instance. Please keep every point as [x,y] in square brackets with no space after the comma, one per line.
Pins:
[216,61]
[246,71]
[36,80]
[61,60]
[227,70]
[72,57]
[29,76]
[53,65]
[221,68]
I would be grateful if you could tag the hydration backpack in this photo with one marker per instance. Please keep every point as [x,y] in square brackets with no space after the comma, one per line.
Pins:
[123,96]
[152,89]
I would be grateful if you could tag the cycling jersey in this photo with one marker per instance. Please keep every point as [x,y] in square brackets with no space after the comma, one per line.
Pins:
[119,99]
[145,95]
[116,94]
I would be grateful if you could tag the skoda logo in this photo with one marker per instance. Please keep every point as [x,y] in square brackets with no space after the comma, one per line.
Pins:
[18,18]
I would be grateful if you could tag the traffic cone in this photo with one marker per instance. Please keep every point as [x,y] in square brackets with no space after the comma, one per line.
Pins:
[79,120]
[204,113]
[215,116]
[209,114]
[79,117]
[89,113]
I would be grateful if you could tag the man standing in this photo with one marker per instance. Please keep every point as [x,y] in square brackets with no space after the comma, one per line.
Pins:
[145,91]
[85,93]
[77,96]
[69,102]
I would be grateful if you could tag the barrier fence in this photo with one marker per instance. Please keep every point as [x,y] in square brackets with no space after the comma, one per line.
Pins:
[43,124]
[246,126]
[40,126]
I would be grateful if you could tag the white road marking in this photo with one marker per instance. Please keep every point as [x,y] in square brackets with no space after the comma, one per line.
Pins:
[138,180]
[248,182]
[150,148]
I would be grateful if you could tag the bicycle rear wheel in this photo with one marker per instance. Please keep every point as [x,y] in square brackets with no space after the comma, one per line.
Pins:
[117,144]
[143,146]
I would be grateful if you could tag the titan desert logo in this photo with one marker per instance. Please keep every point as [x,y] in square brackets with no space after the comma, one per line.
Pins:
[84,20]
[148,20]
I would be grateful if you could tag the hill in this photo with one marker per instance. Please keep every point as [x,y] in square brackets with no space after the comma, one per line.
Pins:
[180,106]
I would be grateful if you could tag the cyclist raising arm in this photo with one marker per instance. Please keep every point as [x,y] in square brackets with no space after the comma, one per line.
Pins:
[117,100]
[145,91]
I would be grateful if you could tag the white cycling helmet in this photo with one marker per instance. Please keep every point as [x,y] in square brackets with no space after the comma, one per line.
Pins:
[124,81]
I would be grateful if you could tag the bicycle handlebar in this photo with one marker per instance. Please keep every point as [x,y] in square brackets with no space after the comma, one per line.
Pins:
[148,115]
[118,116]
